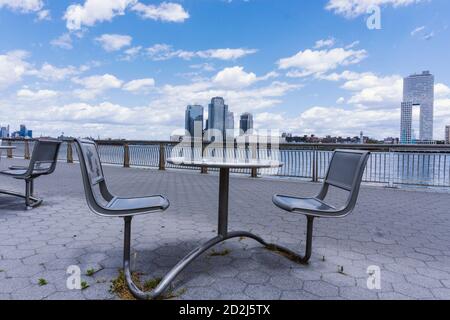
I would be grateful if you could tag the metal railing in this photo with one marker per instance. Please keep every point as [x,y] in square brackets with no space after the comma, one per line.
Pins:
[390,165]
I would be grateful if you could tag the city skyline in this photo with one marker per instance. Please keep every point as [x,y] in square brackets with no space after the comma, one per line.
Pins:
[317,68]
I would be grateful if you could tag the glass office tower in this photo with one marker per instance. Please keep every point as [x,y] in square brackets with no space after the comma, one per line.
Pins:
[418,89]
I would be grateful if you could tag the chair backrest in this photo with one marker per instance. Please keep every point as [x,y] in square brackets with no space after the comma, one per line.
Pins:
[345,172]
[96,191]
[45,156]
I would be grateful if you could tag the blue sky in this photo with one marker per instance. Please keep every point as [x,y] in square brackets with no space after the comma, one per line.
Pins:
[128,68]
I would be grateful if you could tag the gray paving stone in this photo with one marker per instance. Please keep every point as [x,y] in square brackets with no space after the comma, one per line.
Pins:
[392,229]
[263,292]
[321,289]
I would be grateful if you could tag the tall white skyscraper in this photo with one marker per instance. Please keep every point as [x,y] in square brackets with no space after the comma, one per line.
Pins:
[418,90]
[406,123]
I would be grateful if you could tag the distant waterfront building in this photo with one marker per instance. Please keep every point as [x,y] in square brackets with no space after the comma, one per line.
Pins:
[246,122]
[4,132]
[418,90]
[230,121]
[194,115]
[447,134]
[218,116]
[23,132]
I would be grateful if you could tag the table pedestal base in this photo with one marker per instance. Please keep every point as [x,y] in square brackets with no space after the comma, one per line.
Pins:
[30,201]
[223,235]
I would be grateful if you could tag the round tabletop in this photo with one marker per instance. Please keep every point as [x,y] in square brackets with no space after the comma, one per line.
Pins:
[226,163]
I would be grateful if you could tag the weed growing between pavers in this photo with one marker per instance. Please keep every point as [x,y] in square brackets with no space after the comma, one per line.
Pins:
[91,272]
[222,253]
[285,254]
[42,282]
[120,288]
[84,285]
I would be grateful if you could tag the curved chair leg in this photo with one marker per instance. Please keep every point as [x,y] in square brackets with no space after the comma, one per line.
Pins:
[293,255]
[173,273]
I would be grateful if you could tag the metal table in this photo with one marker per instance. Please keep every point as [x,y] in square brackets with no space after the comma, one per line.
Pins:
[223,233]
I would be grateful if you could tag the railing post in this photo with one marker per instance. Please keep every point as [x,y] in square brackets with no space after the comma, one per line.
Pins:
[69,152]
[9,152]
[162,157]
[203,170]
[27,151]
[254,149]
[126,155]
[315,164]
[391,169]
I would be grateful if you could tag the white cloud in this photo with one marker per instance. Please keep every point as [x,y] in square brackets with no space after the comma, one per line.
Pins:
[335,121]
[225,54]
[64,41]
[355,8]
[385,91]
[417,30]
[203,66]
[327,43]
[29,95]
[12,67]
[311,62]
[441,91]
[341,100]
[235,77]
[166,11]
[93,11]
[51,73]
[369,89]
[96,85]
[24,6]
[131,53]
[160,52]
[139,85]
[114,42]
[44,15]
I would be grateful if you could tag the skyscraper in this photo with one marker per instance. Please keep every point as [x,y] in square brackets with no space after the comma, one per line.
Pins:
[447,134]
[246,122]
[194,115]
[4,132]
[418,89]
[406,123]
[230,121]
[218,115]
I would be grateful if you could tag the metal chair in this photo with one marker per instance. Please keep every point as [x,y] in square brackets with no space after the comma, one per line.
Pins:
[103,203]
[43,162]
[345,172]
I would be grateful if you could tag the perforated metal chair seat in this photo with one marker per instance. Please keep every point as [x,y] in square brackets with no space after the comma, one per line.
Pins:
[302,205]
[18,168]
[145,204]
[21,173]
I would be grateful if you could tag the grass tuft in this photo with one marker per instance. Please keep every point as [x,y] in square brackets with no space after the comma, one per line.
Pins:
[42,282]
[84,285]
[90,272]
[222,253]
[120,288]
